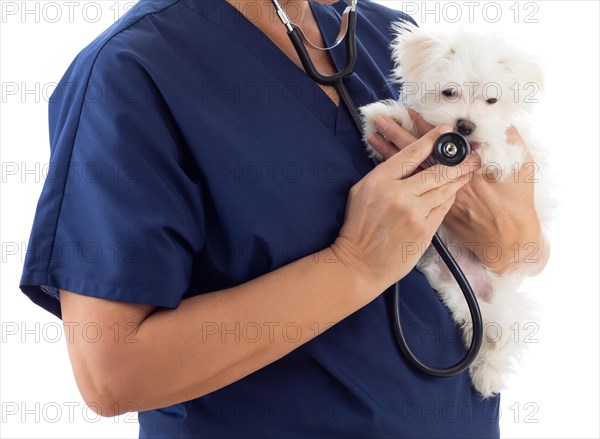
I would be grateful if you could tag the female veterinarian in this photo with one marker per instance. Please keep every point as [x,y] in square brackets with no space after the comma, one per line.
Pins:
[214,217]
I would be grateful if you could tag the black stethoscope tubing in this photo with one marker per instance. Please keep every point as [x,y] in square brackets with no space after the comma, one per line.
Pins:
[337,80]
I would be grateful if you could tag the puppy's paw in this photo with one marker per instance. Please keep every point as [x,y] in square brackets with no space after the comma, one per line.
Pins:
[487,378]
[389,108]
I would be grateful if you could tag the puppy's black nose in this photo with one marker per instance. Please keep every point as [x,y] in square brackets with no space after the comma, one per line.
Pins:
[465,126]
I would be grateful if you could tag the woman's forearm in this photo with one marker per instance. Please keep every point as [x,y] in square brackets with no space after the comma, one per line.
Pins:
[527,254]
[215,339]
[517,245]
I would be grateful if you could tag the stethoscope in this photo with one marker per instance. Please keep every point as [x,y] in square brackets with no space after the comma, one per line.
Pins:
[449,149]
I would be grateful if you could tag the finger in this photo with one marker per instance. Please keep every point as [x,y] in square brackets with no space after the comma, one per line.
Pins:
[382,145]
[420,124]
[406,161]
[437,214]
[439,175]
[514,137]
[393,132]
[437,197]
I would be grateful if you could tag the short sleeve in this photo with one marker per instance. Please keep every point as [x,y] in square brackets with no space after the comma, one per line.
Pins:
[120,216]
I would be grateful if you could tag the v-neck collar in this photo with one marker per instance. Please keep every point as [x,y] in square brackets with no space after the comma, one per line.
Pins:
[277,63]
[329,21]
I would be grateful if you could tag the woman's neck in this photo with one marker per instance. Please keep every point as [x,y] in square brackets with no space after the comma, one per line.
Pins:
[262,13]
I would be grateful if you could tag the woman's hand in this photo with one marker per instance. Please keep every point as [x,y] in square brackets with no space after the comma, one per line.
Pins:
[391,215]
[496,220]
[401,138]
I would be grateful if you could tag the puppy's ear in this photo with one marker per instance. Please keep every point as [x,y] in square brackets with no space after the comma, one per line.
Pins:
[527,73]
[415,51]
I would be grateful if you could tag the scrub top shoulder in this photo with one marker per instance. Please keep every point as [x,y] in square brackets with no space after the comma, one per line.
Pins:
[189,155]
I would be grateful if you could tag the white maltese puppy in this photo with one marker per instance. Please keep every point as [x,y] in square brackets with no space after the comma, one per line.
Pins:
[481,85]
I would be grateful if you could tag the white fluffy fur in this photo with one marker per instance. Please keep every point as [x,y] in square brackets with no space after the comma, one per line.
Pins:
[477,67]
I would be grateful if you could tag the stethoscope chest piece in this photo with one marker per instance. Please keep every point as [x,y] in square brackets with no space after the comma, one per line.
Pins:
[449,149]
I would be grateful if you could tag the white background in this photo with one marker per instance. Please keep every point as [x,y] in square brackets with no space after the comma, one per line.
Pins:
[555,394]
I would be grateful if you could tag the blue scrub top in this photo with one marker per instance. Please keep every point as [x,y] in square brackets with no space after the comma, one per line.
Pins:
[188,155]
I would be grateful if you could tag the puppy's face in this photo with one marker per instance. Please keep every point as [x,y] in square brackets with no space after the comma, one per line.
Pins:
[478,84]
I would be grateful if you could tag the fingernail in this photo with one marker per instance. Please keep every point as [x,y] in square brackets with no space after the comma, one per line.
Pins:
[381,123]
[473,159]
[445,128]
[373,140]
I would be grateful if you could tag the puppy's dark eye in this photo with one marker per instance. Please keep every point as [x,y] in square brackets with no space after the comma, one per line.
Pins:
[492,100]
[448,93]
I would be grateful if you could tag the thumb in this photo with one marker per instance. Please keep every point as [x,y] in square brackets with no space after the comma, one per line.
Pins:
[514,138]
